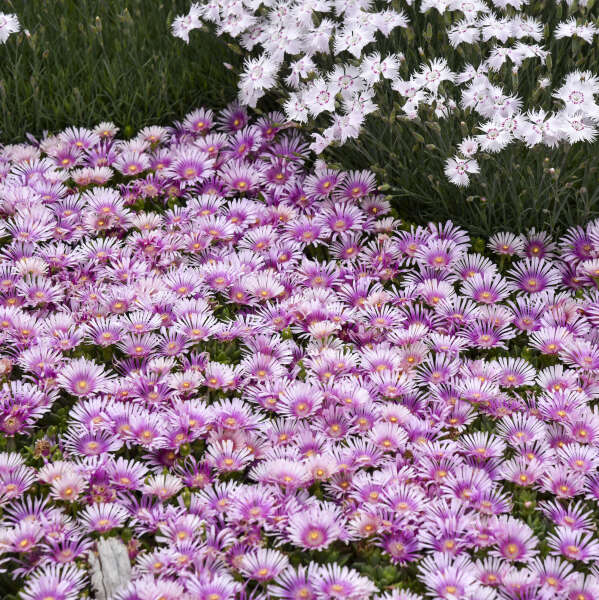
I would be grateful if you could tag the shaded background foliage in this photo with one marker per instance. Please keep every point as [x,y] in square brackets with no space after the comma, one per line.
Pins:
[86,61]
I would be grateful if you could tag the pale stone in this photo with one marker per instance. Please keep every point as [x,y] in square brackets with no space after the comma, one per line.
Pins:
[110,568]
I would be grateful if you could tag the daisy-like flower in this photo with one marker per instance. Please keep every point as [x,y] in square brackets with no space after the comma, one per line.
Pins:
[80,138]
[486,288]
[551,340]
[581,459]
[233,118]
[482,446]
[573,545]
[241,177]
[533,276]
[103,517]
[104,332]
[554,575]
[21,405]
[36,226]
[127,474]
[573,516]
[131,163]
[301,400]
[339,219]
[581,354]
[219,586]
[520,429]
[514,540]
[264,286]
[316,528]
[162,486]
[190,166]
[199,121]
[81,442]
[64,582]
[144,429]
[294,584]
[438,254]
[83,377]
[225,457]
[447,578]
[537,244]
[263,565]
[68,487]
[24,537]
[333,582]
[323,183]
[255,504]
[515,372]
[14,481]
[356,185]
[487,335]
[287,473]
[591,268]
[562,482]
[467,484]
[401,548]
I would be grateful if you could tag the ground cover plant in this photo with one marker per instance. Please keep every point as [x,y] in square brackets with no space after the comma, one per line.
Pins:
[246,368]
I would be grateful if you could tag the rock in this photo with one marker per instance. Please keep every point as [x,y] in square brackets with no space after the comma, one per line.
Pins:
[110,568]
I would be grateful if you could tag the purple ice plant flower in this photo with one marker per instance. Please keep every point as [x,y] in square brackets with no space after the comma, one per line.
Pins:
[270,371]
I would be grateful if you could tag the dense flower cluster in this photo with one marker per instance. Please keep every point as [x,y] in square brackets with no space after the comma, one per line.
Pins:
[333,62]
[235,363]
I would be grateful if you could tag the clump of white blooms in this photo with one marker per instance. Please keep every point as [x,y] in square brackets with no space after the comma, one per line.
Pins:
[9,24]
[322,53]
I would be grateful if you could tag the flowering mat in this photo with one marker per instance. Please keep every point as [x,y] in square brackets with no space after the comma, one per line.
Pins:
[244,368]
